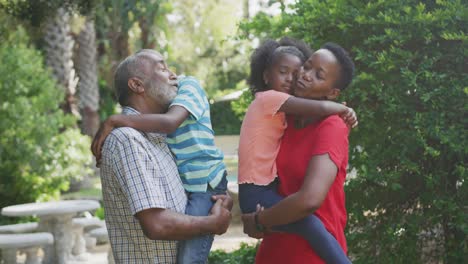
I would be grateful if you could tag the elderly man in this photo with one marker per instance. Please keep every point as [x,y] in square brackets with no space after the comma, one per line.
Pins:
[144,199]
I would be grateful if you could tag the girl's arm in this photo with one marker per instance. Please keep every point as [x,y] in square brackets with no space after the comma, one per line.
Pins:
[163,123]
[318,109]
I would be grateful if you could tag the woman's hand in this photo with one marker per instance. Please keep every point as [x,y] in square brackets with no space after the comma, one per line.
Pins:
[101,135]
[250,225]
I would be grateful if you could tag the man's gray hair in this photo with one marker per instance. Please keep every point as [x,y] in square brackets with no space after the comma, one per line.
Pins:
[133,66]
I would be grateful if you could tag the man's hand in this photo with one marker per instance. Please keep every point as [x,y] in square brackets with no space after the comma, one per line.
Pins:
[349,117]
[250,227]
[221,217]
[226,200]
[96,147]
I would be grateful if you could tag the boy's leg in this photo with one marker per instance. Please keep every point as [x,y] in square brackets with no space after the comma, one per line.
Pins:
[196,250]
[310,228]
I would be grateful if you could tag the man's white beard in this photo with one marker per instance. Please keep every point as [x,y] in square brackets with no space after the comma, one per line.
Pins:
[164,94]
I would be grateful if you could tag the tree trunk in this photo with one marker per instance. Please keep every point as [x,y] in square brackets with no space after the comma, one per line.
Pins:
[147,40]
[88,89]
[59,52]
[246,7]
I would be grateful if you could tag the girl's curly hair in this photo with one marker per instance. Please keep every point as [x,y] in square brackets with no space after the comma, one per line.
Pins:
[263,57]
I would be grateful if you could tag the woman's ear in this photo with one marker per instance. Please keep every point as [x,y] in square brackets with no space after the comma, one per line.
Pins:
[136,85]
[334,93]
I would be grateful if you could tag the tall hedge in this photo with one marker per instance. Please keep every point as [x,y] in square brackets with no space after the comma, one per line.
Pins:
[224,119]
[408,203]
[40,150]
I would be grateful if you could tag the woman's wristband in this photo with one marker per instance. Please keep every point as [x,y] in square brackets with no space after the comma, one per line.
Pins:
[258,225]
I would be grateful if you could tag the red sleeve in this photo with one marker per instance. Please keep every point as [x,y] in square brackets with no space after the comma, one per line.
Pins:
[332,138]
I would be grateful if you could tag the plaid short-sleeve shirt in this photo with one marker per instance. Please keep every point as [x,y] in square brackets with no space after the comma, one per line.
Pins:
[138,172]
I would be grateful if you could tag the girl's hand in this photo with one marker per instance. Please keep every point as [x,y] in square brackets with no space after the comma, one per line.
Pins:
[349,117]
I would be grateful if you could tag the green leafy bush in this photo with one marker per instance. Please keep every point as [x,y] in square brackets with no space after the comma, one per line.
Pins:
[244,255]
[408,201]
[239,107]
[224,120]
[40,150]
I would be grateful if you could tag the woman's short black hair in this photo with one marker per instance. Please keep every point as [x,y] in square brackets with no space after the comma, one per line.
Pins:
[346,64]
[267,53]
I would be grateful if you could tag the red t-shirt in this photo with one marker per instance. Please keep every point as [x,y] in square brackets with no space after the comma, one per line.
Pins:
[297,148]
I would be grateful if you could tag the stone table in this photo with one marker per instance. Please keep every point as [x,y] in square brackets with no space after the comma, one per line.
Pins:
[56,218]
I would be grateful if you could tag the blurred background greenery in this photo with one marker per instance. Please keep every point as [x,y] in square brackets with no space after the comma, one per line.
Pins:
[407,191]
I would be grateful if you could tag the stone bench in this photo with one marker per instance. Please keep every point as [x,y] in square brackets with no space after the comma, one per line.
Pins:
[102,237]
[29,243]
[19,228]
[100,234]
[81,239]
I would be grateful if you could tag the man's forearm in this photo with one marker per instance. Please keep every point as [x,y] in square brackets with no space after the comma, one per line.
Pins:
[162,224]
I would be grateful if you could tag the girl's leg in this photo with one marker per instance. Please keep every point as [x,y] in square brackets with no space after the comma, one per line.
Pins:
[310,228]
[324,244]
[250,195]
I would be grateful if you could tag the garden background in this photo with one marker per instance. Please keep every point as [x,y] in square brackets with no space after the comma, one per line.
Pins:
[407,198]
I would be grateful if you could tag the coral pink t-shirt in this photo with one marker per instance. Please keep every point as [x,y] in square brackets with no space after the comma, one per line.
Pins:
[260,138]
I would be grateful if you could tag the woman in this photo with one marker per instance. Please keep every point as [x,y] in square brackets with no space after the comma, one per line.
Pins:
[311,165]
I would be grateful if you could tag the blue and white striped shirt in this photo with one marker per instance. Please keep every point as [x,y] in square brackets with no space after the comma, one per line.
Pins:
[199,161]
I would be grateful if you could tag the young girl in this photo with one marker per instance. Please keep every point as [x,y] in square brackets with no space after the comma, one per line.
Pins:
[274,66]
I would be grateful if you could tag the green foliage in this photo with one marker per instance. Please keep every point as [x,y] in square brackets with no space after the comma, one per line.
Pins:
[227,116]
[244,255]
[107,101]
[408,201]
[240,106]
[40,150]
[37,11]
[223,119]
[201,45]
[100,213]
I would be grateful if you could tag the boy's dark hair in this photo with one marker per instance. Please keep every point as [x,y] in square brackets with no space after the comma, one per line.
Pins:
[267,53]
[346,64]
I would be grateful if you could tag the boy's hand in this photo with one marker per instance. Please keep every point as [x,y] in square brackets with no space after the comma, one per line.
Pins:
[349,117]
[101,135]
[226,200]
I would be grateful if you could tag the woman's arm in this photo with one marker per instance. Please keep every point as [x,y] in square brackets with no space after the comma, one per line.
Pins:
[318,109]
[319,177]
